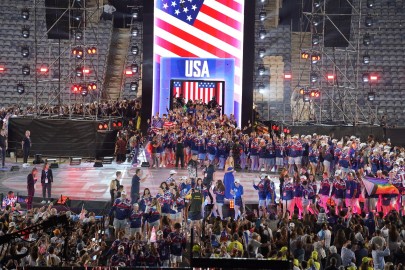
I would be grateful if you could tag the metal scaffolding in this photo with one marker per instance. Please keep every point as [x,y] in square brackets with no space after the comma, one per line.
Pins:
[336,74]
[52,88]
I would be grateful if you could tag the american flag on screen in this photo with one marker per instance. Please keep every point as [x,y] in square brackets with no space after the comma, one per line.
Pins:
[203,90]
[200,28]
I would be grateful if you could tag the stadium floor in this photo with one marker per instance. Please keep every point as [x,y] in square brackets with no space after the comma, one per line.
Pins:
[87,183]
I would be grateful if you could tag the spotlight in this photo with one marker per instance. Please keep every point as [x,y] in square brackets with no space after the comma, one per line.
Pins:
[262,52]
[76,88]
[25,13]
[315,39]
[43,69]
[77,16]
[373,78]
[287,76]
[313,77]
[135,50]
[84,91]
[78,34]
[368,21]
[315,94]
[366,39]
[261,70]
[135,13]
[134,86]
[262,1]
[371,96]
[25,32]
[92,86]
[25,51]
[315,58]
[135,32]
[134,68]
[262,15]
[317,3]
[262,33]
[304,55]
[261,88]
[366,59]
[370,3]
[316,20]
[128,72]
[78,52]
[20,88]
[92,50]
[2,69]
[86,71]
[26,70]
[302,90]
[330,77]
[365,77]
[306,97]
[79,72]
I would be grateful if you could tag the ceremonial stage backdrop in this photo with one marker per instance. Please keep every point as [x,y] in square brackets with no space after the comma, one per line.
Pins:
[199,41]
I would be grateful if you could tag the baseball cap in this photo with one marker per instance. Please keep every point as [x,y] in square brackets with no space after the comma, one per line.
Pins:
[172,172]
[237,181]
[11,224]
[263,175]
[338,173]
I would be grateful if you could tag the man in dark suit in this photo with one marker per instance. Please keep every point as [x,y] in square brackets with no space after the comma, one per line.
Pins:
[46,181]
[26,146]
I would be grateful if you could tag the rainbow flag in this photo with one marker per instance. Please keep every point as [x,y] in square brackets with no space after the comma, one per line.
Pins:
[376,186]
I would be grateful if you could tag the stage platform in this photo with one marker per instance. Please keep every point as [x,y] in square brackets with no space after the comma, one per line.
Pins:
[87,183]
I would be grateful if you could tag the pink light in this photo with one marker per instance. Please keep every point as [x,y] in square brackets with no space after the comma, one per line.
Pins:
[86,71]
[43,69]
[373,77]
[128,72]
[331,77]
[2,69]
[287,76]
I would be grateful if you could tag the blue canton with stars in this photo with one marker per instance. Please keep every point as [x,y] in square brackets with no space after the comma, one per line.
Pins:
[206,85]
[176,84]
[184,10]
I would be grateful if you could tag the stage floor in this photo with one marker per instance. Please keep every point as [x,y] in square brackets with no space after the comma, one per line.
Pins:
[84,182]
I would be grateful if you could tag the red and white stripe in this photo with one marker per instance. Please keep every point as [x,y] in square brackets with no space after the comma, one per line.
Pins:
[191,90]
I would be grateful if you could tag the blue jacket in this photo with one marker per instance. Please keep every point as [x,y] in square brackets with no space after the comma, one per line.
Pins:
[135,219]
[238,191]
[288,191]
[121,208]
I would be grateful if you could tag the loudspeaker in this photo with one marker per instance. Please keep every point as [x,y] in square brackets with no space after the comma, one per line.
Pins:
[145,164]
[98,164]
[15,168]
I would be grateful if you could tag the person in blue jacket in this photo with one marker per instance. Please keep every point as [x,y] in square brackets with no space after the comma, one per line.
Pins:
[287,195]
[135,220]
[122,210]
[237,192]
[261,188]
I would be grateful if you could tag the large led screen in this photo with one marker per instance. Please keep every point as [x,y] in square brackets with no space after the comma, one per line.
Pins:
[198,46]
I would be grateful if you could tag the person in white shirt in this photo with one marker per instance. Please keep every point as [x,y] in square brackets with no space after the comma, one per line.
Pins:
[108,12]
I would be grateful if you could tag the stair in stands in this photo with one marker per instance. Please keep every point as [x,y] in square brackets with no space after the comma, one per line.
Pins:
[116,63]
